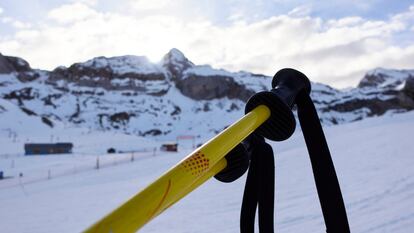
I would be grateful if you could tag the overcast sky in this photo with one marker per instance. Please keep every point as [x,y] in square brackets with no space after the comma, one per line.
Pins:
[333,42]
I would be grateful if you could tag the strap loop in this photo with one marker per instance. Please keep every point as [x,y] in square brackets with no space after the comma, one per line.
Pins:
[259,188]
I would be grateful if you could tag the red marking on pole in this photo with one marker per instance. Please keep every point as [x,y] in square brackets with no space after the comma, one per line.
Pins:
[196,164]
[162,200]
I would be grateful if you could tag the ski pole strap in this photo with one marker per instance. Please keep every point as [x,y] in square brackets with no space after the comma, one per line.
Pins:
[326,181]
[290,87]
[259,188]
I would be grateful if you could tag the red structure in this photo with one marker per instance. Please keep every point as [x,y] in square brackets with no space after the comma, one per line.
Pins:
[169,147]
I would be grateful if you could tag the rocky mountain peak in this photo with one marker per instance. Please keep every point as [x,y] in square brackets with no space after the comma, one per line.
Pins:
[385,78]
[176,63]
[19,66]
[10,64]
[134,73]
[175,54]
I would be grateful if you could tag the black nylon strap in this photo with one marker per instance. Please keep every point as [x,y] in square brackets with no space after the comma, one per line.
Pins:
[266,188]
[326,181]
[250,198]
[259,188]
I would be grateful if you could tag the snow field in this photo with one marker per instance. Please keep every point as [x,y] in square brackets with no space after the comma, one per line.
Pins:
[373,159]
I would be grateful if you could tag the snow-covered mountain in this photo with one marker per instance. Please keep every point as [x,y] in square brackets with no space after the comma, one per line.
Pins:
[173,97]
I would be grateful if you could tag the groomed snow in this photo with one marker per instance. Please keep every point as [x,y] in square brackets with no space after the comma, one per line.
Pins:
[373,159]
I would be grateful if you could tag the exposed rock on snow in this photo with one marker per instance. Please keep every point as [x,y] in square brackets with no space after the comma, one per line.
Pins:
[115,73]
[10,64]
[409,87]
[392,90]
[385,78]
[5,66]
[176,63]
[213,87]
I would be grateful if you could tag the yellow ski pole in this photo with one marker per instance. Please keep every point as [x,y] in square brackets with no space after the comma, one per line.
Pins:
[181,179]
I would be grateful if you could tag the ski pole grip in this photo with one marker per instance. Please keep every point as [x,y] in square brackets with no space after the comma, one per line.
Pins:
[287,84]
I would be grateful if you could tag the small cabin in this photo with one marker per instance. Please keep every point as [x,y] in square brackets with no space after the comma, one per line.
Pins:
[47,148]
[169,147]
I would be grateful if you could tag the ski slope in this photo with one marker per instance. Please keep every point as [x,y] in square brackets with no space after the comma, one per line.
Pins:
[374,160]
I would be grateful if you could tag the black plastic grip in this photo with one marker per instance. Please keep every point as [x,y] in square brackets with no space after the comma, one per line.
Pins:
[287,84]
[237,164]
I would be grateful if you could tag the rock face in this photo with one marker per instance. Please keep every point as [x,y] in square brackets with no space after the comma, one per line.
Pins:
[409,87]
[132,95]
[379,91]
[134,73]
[396,86]
[372,80]
[19,66]
[116,73]
[5,66]
[383,78]
[203,82]
[212,87]
[176,63]
[10,64]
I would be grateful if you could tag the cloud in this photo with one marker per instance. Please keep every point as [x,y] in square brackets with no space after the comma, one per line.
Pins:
[143,5]
[405,16]
[15,23]
[21,25]
[86,2]
[301,11]
[337,52]
[1,10]
[72,13]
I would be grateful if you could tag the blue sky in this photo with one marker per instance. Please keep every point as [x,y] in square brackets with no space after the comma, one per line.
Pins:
[334,42]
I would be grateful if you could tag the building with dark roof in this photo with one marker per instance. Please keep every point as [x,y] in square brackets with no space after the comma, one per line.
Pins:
[47,148]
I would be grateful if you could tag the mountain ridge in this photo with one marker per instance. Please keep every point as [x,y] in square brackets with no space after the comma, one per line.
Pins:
[176,96]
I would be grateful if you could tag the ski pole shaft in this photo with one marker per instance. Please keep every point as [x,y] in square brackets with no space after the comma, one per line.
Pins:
[181,179]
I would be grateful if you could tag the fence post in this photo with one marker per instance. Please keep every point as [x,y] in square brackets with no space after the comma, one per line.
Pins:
[132,157]
[97,163]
